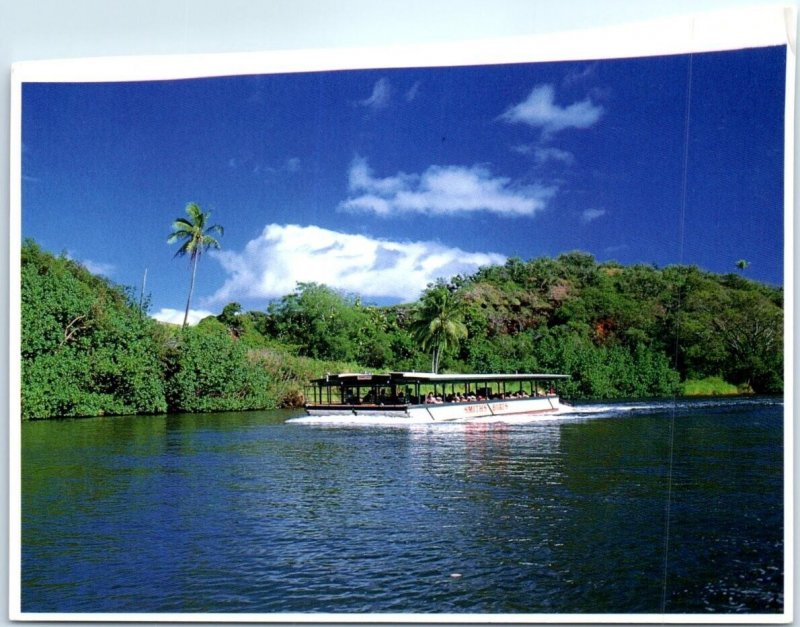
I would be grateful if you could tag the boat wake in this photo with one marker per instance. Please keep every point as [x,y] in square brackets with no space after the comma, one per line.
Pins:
[677,405]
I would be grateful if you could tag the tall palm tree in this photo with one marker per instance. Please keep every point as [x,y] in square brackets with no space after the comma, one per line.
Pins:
[438,325]
[197,238]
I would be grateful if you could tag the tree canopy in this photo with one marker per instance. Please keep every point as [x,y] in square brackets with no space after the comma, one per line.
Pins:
[618,331]
[438,324]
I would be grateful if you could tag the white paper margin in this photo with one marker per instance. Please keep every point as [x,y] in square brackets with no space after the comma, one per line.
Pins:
[703,32]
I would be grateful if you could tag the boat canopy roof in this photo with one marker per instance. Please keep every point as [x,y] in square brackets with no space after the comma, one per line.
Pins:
[399,378]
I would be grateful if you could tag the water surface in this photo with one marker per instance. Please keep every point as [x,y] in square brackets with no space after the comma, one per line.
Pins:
[625,508]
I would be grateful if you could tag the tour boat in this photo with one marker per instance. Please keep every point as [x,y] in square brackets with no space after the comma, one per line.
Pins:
[433,397]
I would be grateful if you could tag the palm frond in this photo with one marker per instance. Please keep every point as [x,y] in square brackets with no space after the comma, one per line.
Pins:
[195,238]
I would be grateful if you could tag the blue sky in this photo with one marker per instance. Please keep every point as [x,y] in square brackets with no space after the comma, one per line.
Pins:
[379,181]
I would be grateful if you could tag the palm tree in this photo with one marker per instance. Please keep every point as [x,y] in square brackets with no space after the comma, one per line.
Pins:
[196,239]
[438,325]
[742,264]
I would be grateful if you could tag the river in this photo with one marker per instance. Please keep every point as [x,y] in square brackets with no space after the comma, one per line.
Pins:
[631,508]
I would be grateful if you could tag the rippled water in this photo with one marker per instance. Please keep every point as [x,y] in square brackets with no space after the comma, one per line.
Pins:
[626,508]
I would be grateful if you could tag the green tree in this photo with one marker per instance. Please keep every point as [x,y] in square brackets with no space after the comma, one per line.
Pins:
[195,233]
[742,265]
[210,371]
[231,317]
[439,322]
[86,348]
[320,321]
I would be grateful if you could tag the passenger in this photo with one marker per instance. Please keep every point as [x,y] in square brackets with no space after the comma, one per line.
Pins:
[430,398]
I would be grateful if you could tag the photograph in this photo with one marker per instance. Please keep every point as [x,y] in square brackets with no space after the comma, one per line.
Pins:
[341,334]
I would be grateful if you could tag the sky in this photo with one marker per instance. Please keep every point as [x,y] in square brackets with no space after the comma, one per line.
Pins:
[378,182]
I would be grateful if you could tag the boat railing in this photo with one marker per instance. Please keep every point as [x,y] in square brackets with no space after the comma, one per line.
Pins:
[365,391]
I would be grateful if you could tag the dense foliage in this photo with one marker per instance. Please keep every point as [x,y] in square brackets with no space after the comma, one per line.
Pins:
[88,348]
[618,331]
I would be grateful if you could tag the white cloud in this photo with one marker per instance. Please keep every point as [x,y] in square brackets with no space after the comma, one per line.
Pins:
[380,97]
[95,267]
[98,267]
[590,215]
[411,94]
[540,110]
[543,155]
[442,190]
[271,265]
[579,76]
[175,316]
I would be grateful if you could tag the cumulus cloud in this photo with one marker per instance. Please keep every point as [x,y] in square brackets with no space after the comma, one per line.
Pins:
[175,316]
[540,111]
[380,97]
[271,265]
[441,190]
[590,215]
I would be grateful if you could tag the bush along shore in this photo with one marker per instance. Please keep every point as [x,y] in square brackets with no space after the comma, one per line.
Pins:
[90,349]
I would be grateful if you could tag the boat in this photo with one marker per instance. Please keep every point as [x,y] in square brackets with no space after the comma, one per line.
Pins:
[422,396]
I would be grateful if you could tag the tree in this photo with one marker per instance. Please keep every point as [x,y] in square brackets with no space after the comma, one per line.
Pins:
[742,264]
[231,318]
[209,371]
[438,325]
[86,348]
[197,238]
[322,322]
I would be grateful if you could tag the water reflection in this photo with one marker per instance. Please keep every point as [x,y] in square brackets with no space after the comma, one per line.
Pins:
[247,513]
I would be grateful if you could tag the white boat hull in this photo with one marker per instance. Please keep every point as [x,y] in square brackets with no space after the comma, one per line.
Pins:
[443,412]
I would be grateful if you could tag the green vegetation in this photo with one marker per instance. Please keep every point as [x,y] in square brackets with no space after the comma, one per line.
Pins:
[439,322]
[88,348]
[710,386]
[197,238]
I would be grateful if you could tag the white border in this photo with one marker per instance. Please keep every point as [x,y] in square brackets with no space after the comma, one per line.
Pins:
[788,326]
[14,355]
[705,32]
